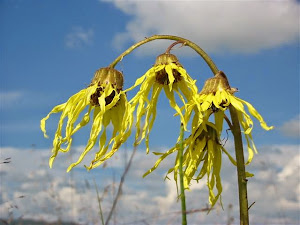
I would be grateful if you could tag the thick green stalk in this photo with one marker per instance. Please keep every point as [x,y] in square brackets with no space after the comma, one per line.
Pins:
[241,173]
[182,194]
[186,42]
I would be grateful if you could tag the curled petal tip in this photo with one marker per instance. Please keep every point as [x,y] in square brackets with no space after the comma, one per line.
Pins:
[249,174]
[268,128]
[51,161]
[69,168]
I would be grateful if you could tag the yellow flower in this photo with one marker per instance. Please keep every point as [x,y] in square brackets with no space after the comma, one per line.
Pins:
[215,98]
[167,74]
[203,154]
[107,103]
[202,149]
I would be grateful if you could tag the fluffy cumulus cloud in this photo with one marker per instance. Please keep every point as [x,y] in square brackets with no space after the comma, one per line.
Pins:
[291,128]
[236,26]
[29,189]
[79,37]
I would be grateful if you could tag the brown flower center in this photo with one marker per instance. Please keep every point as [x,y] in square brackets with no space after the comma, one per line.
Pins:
[161,76]
[94,97]
[106,76]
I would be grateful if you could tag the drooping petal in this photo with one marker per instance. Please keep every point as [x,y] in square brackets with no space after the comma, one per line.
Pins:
[151,114]
[96,128]
[169,152]
[73,116]
[69,107]
[141,99]
[170,96]
[219,118]
[217,100]
[188,80]
[171,78]
[216,173]
[121,118]
[85,120]
[193,164]
[205,101]
[138,81]
[240,108]
[56,109]
[254,113]
[232,160]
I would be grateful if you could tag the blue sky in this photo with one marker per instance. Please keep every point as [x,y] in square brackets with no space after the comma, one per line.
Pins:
[50,50]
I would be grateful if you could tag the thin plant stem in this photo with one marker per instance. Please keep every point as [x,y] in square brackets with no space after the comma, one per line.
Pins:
[185,42]
[240,161]
[172,45]
[182,194]
[99,203]
[120,186]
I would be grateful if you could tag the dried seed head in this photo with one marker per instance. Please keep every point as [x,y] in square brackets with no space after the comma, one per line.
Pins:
[103,77]
[165,59]
[218,82]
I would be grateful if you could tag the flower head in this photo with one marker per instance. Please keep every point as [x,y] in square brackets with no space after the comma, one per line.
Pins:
[107,102]
[203,149]
[216,96]
[202,155]
[169,75]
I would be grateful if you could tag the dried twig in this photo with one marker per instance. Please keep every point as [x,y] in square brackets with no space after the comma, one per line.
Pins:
[120,186]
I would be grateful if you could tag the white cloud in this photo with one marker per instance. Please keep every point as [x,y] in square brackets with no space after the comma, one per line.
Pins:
[55,194]
[235,26]
[79,37]
[10,98]
[291,128]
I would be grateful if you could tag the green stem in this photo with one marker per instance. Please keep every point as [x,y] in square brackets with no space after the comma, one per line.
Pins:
[186,42]
[241,173]
[182,195]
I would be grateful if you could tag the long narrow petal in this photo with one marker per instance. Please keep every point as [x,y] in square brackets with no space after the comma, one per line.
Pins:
[240,108]
[151,114]
[56,109]
[170,96]
[172,150]
[219,118]
[171,78]
[254,113]
[96,128]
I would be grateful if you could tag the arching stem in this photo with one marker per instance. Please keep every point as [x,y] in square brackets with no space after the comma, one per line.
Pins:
[186,42]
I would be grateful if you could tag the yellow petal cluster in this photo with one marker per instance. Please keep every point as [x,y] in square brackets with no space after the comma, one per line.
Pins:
[111,107]
[168,75]
[202,155]
[215,98]
[202,149]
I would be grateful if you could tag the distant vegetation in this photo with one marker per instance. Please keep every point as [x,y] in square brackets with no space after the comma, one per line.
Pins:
[33,222]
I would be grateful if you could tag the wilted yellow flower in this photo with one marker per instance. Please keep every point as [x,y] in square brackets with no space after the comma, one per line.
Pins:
[167,74]
[107,103]
[216,96]
[203,154]
[203,149]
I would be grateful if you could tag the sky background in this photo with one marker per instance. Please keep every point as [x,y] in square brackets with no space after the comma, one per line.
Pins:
[51,49]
